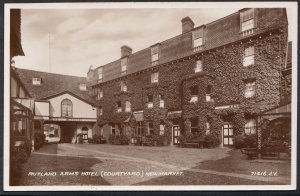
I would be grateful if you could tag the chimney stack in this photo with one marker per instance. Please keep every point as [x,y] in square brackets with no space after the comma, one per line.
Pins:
[187,24]
[125,51]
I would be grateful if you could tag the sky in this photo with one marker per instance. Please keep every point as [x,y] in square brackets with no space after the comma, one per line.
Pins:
[69,41]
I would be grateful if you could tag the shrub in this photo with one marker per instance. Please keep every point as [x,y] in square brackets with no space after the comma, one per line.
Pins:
[211,141]
[39,139]
[250,141]
[238,141]
[162,140]
[118,139]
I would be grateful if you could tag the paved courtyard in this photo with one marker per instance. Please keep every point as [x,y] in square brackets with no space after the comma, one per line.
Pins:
[104,164]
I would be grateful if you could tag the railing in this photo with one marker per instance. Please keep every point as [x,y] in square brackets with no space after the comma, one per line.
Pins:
[247,32]
[198,48]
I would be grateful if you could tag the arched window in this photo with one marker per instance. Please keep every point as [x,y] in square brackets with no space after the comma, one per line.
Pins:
[66,108]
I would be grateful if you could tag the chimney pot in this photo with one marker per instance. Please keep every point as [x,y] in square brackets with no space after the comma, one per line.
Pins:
[125,51]
[187,24]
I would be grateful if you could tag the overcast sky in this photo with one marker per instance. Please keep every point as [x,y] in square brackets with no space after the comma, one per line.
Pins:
[84,37]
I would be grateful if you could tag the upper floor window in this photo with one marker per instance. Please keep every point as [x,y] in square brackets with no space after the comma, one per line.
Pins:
[100,111]
[161,101]
[207,131]
[99,94]
[250,127]
[194,94]
[150,101]
[36,81]
[124,63]
[198,39]
[154,77]
[127,106]
[100,74]
[248,56]
[198,67]
[66,108]
[82,87]
[208,92]
[247,21]
[119,106]
[155,54]
[123,86]
[249,89]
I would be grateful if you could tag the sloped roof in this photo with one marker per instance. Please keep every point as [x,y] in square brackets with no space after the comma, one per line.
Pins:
[217,33]
[52,84]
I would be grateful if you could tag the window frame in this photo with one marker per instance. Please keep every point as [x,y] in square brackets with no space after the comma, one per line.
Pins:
[249,56]
[250,128]
[194,127]
[154,77]
[37,81]
[199,66]
[63,107]
[249,84]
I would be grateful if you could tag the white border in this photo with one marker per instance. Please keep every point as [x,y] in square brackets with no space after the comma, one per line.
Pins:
[293,22]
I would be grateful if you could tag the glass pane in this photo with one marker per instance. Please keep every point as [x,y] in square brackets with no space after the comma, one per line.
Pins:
[230,131]
[225,141]
[225,132]
[175,140]
[225,126]
[230,141]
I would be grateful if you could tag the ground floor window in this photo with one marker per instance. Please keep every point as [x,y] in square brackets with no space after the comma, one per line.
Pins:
[140,129]
[113,129]
[250,127]
[194,125]
[84,133]
[161,129]
[150,128]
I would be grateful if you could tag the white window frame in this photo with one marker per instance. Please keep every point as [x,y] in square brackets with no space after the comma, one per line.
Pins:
[207,131]
[124,63]
[123,86]
[198,67]
[100,111]
[83,87]
[127,106]
[248,56]
[161,129]
[155,50]
[119,108]
[100,73]
[247,22]
[249,89]
[36,81]
[250,127]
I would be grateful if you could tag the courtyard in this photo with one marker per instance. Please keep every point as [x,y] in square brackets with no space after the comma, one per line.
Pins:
[94,164]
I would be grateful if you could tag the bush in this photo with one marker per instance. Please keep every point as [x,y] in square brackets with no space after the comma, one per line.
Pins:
[238,141]
[211,141]
[162,140]
[245,141]
[39,139]
[118,139]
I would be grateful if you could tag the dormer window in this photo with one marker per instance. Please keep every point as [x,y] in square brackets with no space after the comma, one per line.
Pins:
[198,39]
[100,74]
[82,87]
[155,54]
[198,67]
[247,22]
[36,81]
[124,63]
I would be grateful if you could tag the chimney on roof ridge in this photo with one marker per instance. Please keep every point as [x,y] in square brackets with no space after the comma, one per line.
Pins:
[125,51]
[187,24]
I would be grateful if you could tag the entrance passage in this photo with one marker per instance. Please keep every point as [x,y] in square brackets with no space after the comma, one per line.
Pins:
[176,134]
[227,134]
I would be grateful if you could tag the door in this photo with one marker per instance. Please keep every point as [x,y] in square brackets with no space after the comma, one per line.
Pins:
[176,134]
[227,134]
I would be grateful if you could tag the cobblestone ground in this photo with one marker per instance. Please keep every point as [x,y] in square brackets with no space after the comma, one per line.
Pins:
[136,165]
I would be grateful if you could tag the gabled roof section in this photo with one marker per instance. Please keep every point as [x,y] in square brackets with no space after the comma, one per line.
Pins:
[52,84]
[67,92]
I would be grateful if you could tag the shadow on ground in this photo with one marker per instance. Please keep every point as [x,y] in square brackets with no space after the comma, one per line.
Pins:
[50,163]
[236,162]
